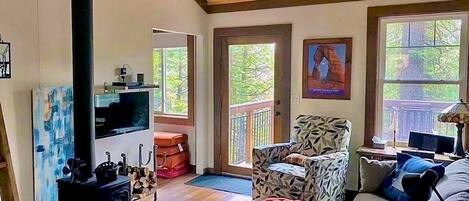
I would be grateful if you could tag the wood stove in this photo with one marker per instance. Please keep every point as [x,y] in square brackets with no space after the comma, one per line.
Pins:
[91,190]
[84,131]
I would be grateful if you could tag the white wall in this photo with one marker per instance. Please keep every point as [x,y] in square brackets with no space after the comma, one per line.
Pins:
[18,25]
[40,32]
[162,40]
[315,21]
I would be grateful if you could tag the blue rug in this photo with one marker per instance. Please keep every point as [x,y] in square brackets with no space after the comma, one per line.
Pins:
[223,183]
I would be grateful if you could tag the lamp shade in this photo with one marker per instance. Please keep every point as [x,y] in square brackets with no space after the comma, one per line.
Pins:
[456,113]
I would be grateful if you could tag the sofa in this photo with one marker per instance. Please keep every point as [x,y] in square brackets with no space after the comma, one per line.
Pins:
[454,186]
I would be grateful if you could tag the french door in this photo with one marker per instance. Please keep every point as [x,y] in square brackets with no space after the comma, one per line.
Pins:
[252,93]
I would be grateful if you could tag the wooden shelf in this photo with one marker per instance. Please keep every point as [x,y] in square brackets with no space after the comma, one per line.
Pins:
[131,87]
[390,153]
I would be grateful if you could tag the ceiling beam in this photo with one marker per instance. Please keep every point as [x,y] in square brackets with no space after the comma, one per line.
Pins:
[203,4]
[261,4]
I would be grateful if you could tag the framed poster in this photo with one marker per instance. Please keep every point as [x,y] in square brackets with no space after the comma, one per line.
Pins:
[53,139]
[327,68]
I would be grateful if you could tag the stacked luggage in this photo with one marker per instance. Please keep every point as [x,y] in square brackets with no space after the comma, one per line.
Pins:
[172,154]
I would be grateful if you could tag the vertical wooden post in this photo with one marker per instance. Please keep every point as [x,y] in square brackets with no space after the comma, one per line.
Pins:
[8,190]
[272,122]
[249,136]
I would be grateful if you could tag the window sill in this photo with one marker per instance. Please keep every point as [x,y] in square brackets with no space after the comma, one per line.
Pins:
[398,144]
[172,119]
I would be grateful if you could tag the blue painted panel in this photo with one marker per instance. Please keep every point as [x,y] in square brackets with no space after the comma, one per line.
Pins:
[53,138]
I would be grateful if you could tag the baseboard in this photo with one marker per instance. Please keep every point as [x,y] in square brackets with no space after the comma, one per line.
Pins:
[194,170]
[209,170]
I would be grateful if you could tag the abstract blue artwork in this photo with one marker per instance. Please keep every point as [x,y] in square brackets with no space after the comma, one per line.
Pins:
[53,141]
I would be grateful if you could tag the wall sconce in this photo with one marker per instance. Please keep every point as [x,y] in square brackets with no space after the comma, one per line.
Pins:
[5,59]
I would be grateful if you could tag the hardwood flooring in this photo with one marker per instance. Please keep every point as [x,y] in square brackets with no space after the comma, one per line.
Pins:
[176,190]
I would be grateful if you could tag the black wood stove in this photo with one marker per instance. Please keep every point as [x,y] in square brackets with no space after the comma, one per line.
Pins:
[83,93]
[91,190]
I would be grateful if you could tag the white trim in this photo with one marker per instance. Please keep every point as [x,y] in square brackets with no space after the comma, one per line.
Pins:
[464,54]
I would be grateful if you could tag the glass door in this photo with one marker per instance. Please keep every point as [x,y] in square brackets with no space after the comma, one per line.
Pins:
[250,103]
[251,91]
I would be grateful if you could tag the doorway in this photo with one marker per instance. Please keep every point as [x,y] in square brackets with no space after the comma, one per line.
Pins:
[252,93]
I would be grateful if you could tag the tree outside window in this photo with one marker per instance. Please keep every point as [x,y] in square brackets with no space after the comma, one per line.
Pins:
[421,74]
[170,67]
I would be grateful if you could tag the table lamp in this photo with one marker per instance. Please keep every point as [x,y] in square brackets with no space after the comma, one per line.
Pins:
[456,113]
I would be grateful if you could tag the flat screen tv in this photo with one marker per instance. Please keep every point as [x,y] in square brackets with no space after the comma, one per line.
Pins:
[121,113]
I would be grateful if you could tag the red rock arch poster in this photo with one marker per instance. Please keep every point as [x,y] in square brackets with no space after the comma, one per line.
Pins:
[327,68]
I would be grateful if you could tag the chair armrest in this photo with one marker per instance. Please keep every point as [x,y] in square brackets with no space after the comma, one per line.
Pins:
[325,176]
[263,156]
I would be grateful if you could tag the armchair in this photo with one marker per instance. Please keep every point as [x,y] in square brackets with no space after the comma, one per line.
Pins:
[324,141]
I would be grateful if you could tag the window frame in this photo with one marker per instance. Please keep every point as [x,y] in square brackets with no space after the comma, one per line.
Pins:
[381,80]
[374,14]
[186,120]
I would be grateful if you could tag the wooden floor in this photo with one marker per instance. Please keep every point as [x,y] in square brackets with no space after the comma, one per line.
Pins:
[176,190]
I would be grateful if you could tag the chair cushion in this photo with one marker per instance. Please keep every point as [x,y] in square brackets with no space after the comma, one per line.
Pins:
[172,160]
[315,135]
[165,139]
[286,175]
[295,159]
[392,189]
[171,150]
[373,172]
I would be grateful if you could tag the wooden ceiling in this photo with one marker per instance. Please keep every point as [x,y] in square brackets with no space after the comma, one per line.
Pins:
[222,6]
[218,2]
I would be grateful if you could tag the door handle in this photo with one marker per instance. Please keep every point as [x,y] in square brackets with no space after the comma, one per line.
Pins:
[277,102]
[278,113]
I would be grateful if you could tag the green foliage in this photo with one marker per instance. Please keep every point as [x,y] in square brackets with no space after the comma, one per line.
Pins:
[158,78]
[251,73]
[426,50]
[251,76]
[422,50]
[173,81]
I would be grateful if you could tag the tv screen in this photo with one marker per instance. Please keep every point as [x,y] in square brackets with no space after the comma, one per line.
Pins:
[121,113]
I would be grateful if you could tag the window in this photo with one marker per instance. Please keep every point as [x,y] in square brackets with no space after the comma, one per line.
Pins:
[171,75]
[422,70]
[173,72]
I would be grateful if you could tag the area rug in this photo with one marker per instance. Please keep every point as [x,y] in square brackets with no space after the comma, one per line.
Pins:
[223,183]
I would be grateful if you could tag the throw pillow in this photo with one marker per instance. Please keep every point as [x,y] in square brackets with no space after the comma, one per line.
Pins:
[373,172]
[392,189]
[295,159]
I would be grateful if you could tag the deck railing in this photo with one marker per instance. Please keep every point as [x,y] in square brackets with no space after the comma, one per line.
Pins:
[251,125]
[414,116]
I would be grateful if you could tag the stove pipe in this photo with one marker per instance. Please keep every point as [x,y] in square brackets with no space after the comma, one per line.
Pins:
[83,92]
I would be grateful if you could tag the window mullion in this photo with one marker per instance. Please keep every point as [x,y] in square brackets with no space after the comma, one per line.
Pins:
[163,80]
[422,81]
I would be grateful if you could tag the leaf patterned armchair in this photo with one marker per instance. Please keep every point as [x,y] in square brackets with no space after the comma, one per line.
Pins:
[324,143]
